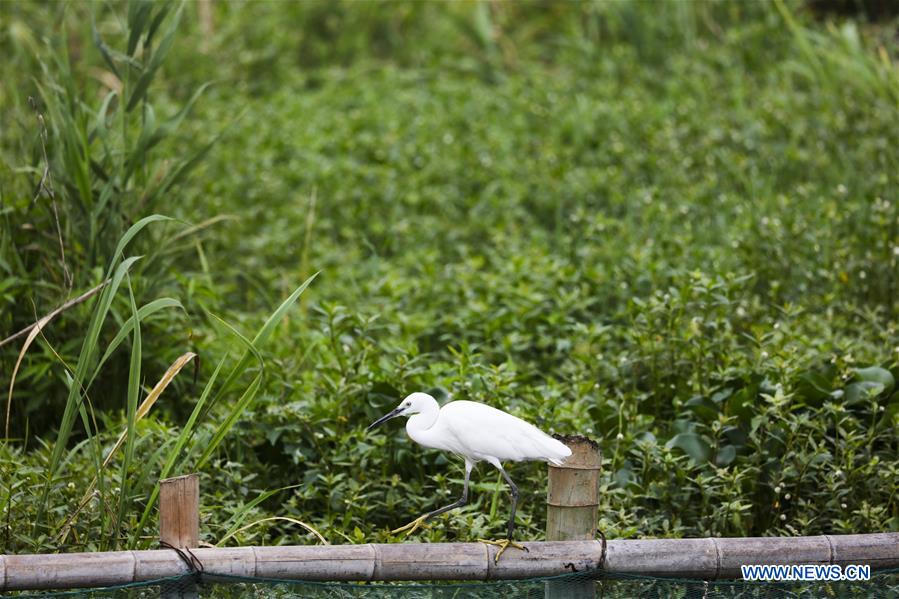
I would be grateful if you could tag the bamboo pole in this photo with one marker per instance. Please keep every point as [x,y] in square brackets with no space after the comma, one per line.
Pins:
[707,558]
[572,498]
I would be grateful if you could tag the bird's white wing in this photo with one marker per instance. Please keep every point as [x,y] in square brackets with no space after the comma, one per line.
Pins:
[481,432]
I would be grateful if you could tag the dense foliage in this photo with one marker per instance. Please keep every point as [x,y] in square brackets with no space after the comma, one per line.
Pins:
[671,227]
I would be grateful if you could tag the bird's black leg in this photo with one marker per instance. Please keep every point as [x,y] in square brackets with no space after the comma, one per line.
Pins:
[503,545]
[462,500]
[415,524]
[514,490]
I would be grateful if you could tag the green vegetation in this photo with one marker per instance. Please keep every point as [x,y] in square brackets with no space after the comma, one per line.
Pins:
[673,227]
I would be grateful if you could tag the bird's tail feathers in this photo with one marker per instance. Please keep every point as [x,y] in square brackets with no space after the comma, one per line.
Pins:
[556,451]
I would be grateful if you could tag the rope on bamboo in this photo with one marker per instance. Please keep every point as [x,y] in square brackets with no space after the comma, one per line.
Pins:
[194,565]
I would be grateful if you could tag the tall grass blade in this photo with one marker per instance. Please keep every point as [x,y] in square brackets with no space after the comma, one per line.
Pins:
[105,51]
[247,343]
[261,338]
[143,82]
[86,357]
[133,391]
[134,230]
[252,350]
[138,19]
[152,135]
[240,407]
[183,168]
[76,397]
[157,20]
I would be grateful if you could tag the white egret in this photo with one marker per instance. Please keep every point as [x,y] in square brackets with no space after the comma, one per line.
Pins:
[476,432]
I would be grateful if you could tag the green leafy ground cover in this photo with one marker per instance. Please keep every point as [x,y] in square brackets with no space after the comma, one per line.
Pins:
[671,227]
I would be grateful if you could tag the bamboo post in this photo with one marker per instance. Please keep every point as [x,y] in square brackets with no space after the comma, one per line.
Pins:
[179,520]
[179,511]
[572,500]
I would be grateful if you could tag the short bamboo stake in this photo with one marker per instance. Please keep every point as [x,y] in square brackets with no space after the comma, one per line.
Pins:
[179,520]
[572,500]
[179,511]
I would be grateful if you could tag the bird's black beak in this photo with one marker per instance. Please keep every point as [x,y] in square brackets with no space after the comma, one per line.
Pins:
[384,419]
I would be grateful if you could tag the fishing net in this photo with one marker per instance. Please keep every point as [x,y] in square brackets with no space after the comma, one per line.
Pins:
[581,585]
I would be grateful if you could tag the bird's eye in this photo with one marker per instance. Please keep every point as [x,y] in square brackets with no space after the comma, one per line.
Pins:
[408,403]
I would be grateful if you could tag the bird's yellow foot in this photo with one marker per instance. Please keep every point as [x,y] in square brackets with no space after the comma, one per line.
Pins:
[503,545]
[412,526]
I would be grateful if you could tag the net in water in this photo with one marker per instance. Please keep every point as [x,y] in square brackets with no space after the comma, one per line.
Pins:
[580,585]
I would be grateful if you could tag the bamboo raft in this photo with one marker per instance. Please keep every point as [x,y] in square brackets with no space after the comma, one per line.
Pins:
[707,558]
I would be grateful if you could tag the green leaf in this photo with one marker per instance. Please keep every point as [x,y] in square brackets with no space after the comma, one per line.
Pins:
[623,477]
[814,386]
[857,393]
[693,445]
[246,342]
[875,374]
[736,436]
[703,407]
[157,20]
[725,455]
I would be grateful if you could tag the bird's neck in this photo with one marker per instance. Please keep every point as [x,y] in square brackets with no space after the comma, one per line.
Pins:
[423,420]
